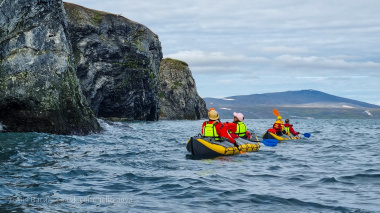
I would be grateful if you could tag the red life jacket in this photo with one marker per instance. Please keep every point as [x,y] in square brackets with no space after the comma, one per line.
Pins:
[277,127]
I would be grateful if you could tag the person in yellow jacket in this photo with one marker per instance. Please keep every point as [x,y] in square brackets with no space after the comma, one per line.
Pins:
[214,128]
[278,126]
[238,128]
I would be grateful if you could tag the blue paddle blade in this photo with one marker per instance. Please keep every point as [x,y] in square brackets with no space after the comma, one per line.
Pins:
[270,142]
[307,135]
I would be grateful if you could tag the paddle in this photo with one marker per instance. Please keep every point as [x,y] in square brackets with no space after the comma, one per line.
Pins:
[307,135]
[269,142]
[275,112]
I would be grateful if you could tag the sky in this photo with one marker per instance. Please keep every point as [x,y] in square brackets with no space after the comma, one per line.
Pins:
[242,47]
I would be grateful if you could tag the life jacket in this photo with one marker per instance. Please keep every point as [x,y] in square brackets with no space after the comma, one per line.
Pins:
[278,126]
[209,130]
[241,129]
[287,129]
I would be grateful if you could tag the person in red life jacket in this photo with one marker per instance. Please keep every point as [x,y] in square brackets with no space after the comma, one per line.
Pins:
[237,128]
[278,126]
[289,128]
[214,128]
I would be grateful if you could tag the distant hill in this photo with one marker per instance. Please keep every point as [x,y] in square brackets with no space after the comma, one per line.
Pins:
[295,104]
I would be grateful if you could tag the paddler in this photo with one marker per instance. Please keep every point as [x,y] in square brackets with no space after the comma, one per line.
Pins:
[278,126]
[289,128]
[214,128]
[238,128]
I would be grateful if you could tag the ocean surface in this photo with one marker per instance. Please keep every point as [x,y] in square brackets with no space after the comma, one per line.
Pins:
[145,167]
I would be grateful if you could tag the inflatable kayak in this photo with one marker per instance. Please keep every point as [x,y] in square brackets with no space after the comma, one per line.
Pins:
[208,147]
[270,135]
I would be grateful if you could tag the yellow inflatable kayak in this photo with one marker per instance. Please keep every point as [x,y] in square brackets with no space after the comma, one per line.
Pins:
[270,135]
[208,147]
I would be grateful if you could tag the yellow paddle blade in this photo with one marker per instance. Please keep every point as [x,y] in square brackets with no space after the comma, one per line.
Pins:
[275,112]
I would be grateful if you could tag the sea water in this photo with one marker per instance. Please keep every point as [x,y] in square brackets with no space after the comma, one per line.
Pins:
[145,167]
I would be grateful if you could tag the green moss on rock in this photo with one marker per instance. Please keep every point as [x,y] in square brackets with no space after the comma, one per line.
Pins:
[175,64]
[81,14]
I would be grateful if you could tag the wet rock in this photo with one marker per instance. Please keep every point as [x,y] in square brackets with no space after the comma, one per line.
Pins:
[39,89]
[117,63]
[178,94]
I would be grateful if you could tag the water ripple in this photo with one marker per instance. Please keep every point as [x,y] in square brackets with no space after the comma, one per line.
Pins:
[146,166]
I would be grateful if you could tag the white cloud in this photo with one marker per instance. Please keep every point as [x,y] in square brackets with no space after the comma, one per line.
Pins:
[198,58]
[314,62]
[225,81]
[284,49]
[201,61]
[331,77]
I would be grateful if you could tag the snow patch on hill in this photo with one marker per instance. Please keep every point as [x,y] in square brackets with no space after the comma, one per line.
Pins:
[368,113]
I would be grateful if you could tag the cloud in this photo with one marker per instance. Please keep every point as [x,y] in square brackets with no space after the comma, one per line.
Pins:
[331,77]
[314,62]
[225,81]
[284,49]
[203,61]
[220,70]
[328,71]
[216,59]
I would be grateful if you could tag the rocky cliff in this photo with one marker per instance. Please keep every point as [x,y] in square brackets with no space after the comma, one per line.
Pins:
[39,90]
[117,63]
[178,94]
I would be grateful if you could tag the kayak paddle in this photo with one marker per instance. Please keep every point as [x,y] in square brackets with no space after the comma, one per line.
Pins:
[275,112]
[269,142]
[307,135]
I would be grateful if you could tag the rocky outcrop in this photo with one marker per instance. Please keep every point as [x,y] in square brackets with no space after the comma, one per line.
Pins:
[117,63]
[178,94]
[39,90]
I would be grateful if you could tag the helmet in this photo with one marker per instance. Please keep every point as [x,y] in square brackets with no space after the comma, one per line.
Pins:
[279,118]
[213,115]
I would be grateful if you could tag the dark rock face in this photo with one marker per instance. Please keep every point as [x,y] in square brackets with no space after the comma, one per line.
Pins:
[117,63]
[39,90]
[178,94]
